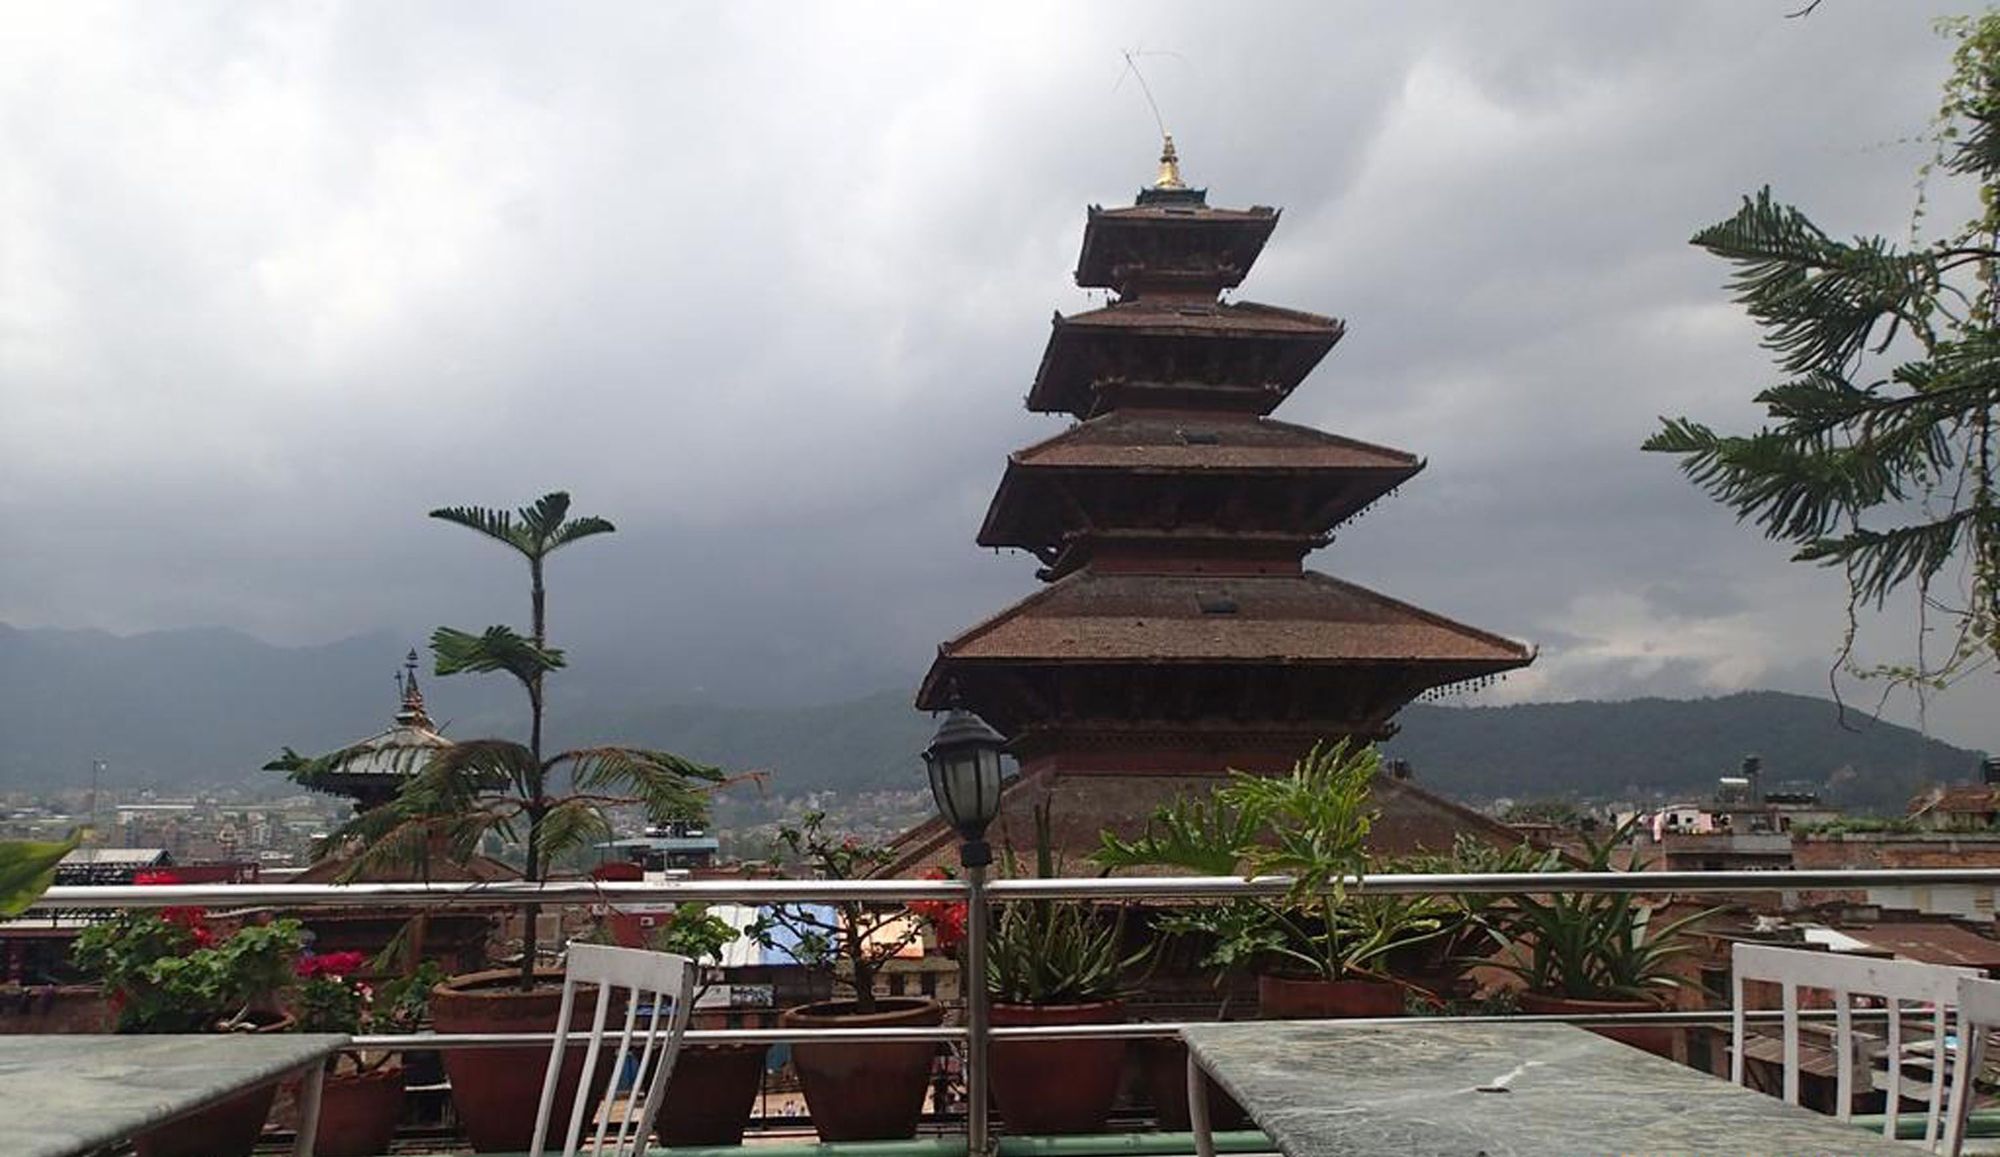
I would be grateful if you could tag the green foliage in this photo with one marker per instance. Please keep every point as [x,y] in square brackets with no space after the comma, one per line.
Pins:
[691,930]
[536,530]
[1878,458]
[1559,813]
[166,974]
[27,868]
[1312,825]
[403,1003]
[457,796]
[1589,945]
[848,939]
[1054,951]
[496,649]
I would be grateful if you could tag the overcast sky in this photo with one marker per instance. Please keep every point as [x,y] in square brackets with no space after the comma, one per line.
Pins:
[765,284]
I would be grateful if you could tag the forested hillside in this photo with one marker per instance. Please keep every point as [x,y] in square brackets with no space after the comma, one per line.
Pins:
[212,706]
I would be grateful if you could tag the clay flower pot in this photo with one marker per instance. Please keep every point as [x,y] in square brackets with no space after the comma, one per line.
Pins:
[865,1092]
[712,1090]
[1163,1074]
[1046,1088]
[1656,1040]
[497,1091]
[1289,998]
[227,1129]
[358,1112]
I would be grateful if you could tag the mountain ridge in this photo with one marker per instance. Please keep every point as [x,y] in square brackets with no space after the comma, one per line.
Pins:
[211,705]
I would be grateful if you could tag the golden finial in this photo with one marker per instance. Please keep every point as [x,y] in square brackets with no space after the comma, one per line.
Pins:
[1170,166]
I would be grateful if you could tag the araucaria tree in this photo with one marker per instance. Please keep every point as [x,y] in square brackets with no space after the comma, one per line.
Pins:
[1878,457]
[550,804]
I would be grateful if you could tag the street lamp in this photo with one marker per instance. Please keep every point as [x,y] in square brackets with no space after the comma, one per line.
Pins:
[964,765]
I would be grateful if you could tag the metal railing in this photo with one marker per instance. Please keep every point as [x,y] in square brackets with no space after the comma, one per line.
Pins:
[509,892]
[250,897]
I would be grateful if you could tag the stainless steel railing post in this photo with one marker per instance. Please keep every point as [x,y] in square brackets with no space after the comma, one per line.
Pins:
[978,1032]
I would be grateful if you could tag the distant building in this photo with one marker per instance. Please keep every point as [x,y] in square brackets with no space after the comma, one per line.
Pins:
[678,846]
[1742,828]
[1961,807]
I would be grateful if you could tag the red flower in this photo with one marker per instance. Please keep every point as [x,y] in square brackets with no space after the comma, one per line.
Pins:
[333,964]
[946,917]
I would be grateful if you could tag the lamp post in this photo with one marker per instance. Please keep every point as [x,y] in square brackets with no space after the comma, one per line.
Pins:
[964,765]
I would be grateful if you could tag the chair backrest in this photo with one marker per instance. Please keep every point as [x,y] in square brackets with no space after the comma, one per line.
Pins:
[659,988]
[1895,982]
[1978,1015]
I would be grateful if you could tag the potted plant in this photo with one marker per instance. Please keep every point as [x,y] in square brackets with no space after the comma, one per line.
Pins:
[714,1087]
[456,796]
[1055,962]
[1321,953]
[170,972]
[855,1092]
[361,1101]
[1435,965]
[1592,952]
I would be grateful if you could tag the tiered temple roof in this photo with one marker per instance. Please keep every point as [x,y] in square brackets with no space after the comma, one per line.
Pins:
[387,758]
[1180,634]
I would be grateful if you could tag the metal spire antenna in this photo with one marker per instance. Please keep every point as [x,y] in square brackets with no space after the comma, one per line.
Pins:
[1170,170]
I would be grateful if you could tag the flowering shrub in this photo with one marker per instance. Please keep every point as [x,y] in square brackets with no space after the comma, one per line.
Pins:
[168,971]
[329,995]
[946,917]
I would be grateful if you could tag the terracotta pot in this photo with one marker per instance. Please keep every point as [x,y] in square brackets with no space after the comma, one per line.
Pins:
[358,1112]
[1163,1074]
[865,1092]
[228,1129]
[496,1091]
[1047,1088]
[1287,998]
[1658,1041]
[712,1090]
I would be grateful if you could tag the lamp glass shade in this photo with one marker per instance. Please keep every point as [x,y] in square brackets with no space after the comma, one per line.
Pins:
[964,762]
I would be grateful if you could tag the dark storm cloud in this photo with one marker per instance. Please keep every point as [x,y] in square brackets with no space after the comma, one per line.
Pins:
[766,285]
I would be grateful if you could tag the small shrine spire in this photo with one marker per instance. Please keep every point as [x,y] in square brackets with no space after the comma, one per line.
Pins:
[412,712]
[1170,166]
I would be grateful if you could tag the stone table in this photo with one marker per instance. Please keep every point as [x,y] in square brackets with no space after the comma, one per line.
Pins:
[64,1095]
[1437,1087]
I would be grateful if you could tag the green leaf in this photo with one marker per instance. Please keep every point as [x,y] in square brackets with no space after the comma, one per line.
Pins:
[27,869]
[498,649]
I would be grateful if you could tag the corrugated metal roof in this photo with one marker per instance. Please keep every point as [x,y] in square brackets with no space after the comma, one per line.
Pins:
[122,857]
[1930,942]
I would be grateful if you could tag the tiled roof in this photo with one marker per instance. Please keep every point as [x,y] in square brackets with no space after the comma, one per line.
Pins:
[1197,347]
[1930,942]
[1205,319]
[1308,617]
[1207,442]
[1973,798]
[1188,239]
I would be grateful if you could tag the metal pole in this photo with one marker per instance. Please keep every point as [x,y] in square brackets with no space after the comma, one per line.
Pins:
[977,1030]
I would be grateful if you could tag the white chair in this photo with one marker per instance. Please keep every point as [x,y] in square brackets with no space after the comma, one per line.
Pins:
[661,982]
[1895,982]
[1978,1014]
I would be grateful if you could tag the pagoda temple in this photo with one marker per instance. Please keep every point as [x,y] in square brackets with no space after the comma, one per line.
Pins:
[1179,634]
[384,760]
